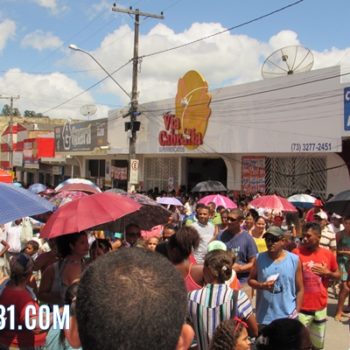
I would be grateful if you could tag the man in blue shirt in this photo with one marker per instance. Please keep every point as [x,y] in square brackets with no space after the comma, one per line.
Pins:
[242,244]
[277,276]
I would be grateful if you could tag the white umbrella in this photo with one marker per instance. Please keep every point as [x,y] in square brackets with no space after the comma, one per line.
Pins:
[169,201]
[302,200]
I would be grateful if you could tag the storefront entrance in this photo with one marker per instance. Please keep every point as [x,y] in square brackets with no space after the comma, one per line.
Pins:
[203,169]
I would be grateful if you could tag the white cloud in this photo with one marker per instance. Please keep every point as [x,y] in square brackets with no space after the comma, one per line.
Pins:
[43,92]
[51,5]
[7,31]
[223,60]
[40,40]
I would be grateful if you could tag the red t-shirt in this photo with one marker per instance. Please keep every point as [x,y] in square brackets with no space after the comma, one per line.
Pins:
[309,217]
[20,338]
[315,287]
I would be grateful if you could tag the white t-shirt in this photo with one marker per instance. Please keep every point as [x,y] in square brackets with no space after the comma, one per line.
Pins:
[206,233]
[334,229]
[13,237]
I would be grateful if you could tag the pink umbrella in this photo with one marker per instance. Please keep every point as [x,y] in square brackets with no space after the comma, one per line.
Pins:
[218,199]
[273,202]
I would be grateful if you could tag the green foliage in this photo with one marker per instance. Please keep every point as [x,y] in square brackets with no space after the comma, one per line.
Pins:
[6,110]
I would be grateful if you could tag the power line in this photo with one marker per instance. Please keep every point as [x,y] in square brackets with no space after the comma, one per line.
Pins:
[86,90]
[261,92]
[225,30]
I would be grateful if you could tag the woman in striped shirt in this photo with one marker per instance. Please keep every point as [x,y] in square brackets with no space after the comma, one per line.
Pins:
[217,302]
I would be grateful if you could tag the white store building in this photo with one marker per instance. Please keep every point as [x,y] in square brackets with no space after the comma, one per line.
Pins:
[282,135]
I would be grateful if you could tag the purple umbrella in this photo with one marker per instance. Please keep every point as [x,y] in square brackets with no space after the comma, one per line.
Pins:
[169,201]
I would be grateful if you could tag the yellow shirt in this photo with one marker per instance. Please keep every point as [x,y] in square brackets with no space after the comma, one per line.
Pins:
[260,244]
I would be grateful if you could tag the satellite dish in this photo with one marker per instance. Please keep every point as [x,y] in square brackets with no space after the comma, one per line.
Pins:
[286,61]
[88,110]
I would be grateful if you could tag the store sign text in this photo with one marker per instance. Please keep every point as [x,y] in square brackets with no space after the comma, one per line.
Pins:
[172,135]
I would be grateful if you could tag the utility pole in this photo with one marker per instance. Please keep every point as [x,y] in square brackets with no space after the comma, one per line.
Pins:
[11,98]
[134,125]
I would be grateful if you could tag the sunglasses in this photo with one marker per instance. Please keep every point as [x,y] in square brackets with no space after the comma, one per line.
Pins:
[272,239]
[229,219]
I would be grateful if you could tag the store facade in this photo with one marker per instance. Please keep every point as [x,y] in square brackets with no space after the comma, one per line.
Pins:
[280,135]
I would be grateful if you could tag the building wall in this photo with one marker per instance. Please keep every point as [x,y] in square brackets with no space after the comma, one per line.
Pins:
[296,116]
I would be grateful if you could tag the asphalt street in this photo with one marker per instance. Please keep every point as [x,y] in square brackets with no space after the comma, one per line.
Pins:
[338,333]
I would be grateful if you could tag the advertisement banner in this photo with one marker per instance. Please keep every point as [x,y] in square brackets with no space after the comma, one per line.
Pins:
[253,174]
[118,173]
[30,154]
[82,136]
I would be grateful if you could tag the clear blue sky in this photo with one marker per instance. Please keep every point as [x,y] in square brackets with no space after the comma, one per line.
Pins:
[34,35]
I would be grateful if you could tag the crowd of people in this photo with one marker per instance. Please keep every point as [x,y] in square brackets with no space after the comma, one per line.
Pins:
[211,278]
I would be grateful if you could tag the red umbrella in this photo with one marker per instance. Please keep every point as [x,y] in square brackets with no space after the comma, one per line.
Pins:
[273,202]
[87,212]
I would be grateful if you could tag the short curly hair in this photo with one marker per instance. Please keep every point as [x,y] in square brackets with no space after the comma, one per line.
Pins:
[226,335]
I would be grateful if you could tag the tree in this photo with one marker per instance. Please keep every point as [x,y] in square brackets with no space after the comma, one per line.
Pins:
[32,114]
[29,114]
[6,110]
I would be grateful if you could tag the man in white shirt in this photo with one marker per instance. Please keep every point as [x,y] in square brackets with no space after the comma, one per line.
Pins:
[336,223]
[4,246]
[13,231]
[206,232]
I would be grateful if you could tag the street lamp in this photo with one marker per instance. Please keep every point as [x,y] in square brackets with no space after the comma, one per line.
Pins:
[76,48]
[133,125]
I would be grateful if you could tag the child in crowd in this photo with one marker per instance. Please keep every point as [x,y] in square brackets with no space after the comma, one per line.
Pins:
[99,247]
[231,335]
[152,243]
[31,248]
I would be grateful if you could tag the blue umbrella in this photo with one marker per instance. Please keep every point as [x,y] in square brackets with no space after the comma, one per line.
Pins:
[37,188]
[16,203]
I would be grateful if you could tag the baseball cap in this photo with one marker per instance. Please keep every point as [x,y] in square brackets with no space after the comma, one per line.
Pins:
[216,245]
[322,215]
[21,264]
[336,216]
[275,231]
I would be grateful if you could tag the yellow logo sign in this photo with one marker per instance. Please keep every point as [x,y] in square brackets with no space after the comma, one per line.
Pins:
[192,112]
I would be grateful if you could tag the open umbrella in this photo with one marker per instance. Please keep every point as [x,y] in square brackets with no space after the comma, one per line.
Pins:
[273,202]
[88,212]
[65,197]
[77,184]
[339,204]
[169,201]
[16,203]
[149,215]
[302,200]
[209,186]
[37,188]
[218,200]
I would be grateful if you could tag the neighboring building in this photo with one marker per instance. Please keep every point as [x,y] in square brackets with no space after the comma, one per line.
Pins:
[285,134]
[31,147]
[84,145]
